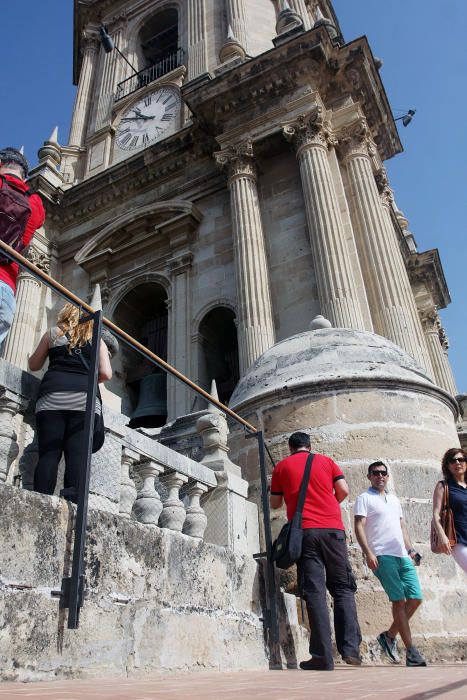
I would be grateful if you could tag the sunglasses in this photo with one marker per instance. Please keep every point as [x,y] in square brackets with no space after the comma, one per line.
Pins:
[377,472]
[457,459]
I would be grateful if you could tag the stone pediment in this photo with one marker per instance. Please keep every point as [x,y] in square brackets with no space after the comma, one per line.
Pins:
[173,219]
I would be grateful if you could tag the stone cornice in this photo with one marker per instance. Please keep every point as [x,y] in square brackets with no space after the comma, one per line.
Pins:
[426,269]
[336,72]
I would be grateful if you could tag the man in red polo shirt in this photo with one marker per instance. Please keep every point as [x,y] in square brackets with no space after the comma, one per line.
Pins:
[324,562]
[14,171]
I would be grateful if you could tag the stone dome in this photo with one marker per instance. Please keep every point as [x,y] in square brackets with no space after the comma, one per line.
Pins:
[329,357]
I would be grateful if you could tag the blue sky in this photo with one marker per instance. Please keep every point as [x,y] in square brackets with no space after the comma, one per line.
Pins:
[423,47]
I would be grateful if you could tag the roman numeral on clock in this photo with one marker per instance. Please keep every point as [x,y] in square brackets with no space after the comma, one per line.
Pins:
[145,139]
[125,138]
[133,142]
[147,100]
[167,116]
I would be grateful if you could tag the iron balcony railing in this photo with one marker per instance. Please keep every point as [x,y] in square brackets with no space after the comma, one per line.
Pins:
[144,77]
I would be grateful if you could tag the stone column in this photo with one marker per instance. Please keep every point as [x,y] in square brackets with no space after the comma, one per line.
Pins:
[237,23]
[254,308]
[179,396]
[111,71]
[80,110]
[438,345]
[337,289]
[389,293]
[22,336]
[197,53]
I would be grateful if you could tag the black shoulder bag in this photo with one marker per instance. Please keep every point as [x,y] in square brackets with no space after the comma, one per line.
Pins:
[287,548]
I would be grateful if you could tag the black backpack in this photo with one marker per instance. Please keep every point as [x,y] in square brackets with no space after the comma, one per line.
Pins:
[15,211]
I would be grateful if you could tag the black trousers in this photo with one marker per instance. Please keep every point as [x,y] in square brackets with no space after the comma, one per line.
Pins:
[59,432]
[325,564]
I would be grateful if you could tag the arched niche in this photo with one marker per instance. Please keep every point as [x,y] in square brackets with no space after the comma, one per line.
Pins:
[143,313]
[159,36]
[218,352]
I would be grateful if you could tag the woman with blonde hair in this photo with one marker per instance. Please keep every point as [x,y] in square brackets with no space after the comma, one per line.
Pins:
[61,403]
[454,467]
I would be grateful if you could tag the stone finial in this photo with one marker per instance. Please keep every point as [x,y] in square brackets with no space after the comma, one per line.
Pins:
[21,150]
[96,300]
[50,152]
[215,395]
[320,322]
[212,426]
[288,19]
[231,49]
[321,21]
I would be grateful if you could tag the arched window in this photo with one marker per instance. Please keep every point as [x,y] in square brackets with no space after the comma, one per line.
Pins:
[159,37]
[143,314]
[219,351]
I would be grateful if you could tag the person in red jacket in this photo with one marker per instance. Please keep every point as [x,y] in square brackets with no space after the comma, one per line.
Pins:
[14,168]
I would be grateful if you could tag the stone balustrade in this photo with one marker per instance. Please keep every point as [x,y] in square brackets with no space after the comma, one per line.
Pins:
[137,477]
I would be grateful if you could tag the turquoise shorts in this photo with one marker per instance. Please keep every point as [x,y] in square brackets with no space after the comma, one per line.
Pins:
[398,577]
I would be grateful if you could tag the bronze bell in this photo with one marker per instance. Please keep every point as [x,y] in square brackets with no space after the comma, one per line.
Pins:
[151,411]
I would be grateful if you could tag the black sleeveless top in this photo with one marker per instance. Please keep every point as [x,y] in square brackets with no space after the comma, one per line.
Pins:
[458,505]
[66,371]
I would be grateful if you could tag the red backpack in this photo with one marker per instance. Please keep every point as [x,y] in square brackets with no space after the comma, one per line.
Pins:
[15,211]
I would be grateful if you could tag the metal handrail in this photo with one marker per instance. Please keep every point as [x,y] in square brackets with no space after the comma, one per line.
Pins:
[73,588]
[144,77]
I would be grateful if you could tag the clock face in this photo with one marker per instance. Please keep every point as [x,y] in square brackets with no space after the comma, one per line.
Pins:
[150,119]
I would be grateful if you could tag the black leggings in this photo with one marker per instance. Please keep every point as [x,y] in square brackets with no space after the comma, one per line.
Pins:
[59,432]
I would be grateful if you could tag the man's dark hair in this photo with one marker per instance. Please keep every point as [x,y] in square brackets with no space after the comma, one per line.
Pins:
[378,463]
[299,440]
[11,156]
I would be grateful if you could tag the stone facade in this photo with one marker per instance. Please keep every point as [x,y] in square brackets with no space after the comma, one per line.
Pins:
[224,195]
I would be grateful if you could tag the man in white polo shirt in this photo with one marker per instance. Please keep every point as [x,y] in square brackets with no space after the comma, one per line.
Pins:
[383,537]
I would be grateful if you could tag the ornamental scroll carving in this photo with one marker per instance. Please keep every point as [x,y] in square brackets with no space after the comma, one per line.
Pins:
[237,159]
[355,139]
[40,260]
[312,129]
[432,324]
[382,183]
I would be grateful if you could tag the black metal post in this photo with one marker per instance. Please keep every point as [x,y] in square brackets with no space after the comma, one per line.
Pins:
[271,621]
[73,587]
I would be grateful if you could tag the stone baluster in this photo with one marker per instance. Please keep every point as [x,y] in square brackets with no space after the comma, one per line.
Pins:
[390,296]
[21,339]
[337,290]
[438,345]
[197,53]
[86,76]
[148,505]
[254,308]
[9,408]
[127,485]
[196,520]
[173,512]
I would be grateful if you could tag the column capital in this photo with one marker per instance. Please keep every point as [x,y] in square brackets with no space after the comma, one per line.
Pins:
[355,139]
[39,259]
[382,183]
[90,42]
[238,159]
[312,129]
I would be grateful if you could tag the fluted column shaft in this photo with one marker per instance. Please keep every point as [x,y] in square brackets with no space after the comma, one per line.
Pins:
[236,18]
[301,9]
[438,349]
[391,299]
[80,110]
[337,290]
[197,54]
[110,74]
[22,336]
[179,397]
[255,319]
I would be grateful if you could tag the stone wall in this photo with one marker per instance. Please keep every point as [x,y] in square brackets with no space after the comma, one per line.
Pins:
[157,600]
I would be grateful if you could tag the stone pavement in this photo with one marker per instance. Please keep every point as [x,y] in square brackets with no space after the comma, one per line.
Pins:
[448,682]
